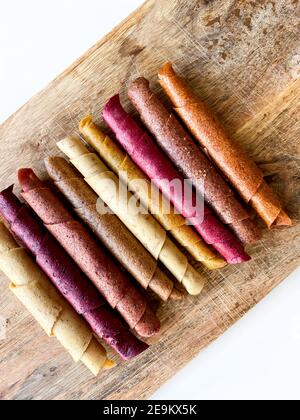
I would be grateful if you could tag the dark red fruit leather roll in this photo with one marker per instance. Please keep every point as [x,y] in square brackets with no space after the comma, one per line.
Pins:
[189,158]
[84,249]
[161,171]
[67,277]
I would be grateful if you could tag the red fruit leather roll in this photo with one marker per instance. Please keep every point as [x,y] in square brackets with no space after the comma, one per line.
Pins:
[76,239]
[240,169]
[161,171]
[67,277]
[192,162]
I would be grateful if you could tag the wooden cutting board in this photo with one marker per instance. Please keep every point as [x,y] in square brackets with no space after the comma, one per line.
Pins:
[242,58]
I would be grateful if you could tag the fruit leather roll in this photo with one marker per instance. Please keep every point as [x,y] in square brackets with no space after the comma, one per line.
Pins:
[48,307]
[191,161]
[161,171]
[76,239]
[145,228]
[66,276]
[166,215]
[110,230]
[239,168]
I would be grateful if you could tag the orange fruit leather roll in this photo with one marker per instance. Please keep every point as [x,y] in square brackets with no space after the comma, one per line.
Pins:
[238,167]
[110,230]
[174,223]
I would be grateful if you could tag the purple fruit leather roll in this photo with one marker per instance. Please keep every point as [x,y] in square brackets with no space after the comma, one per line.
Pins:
[67,277]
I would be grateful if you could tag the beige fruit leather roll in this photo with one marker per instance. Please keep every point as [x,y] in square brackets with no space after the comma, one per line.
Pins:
[146,229]
[165,213]
[48,307]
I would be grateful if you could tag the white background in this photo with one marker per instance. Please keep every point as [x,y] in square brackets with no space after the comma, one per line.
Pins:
[259,357]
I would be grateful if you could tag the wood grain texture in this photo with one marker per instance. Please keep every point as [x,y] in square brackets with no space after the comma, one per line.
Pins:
[243,58]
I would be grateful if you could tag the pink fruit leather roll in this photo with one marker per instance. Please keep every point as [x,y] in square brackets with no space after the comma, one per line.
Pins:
[84,249]
[161,171]
[67,277]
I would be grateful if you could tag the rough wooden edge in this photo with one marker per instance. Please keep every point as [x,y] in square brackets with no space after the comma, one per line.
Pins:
[123,26]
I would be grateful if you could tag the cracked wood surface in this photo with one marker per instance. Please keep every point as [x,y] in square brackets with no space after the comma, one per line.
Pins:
[243,58]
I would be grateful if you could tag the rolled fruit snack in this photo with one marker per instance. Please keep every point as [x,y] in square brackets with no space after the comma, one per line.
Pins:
[167,216]
[67,277]
[110,230]
[191,161]
[137,219]
[157,166]
[239,168]
[57,318]
[76,239]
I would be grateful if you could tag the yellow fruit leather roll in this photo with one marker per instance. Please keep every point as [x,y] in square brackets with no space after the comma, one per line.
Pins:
[173,222]
[48,307]
[137,219]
